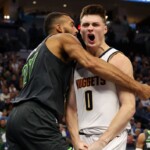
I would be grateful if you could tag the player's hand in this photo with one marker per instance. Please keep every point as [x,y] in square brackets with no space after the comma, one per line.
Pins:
[80,145]
[98,145]
[144,94]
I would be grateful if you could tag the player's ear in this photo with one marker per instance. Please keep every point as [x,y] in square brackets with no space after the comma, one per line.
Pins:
[105,29]
[59,28]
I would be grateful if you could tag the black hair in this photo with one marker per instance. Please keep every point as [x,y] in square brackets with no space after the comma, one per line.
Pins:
[50,20]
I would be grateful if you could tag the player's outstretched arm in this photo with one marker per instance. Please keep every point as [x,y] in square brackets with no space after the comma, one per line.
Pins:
[99,67]
[69,44]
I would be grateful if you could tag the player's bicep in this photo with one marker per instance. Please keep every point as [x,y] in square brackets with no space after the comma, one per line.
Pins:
[75,51]
[71,45]
[124,64]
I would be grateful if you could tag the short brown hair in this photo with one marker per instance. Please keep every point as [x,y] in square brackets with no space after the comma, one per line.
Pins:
[94,9]
[50,20]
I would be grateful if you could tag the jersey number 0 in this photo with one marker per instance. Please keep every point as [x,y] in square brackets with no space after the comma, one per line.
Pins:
[88,100]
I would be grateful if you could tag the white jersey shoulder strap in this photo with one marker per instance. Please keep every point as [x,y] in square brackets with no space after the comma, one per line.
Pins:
[108,54]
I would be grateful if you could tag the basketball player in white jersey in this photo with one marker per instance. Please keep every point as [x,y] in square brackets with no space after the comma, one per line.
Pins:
[98,111]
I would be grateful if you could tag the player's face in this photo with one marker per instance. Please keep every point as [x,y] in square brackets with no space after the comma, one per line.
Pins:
[68,26]
[93,30]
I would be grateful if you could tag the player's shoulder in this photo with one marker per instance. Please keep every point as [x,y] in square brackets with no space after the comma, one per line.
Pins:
[120,57]
[122,62]
[61,36]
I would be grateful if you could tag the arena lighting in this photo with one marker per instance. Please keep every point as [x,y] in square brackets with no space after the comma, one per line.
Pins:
[7,17]
[140,1]
[64,5]
[34,2]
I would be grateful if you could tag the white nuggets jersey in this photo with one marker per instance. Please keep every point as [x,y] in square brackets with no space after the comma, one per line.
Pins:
[97,101]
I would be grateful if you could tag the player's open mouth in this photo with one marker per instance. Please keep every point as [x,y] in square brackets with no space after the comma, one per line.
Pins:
[91,37]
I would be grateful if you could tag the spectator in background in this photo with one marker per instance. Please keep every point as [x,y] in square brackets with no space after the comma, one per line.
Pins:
[130,141]
[137,133]
[4,96]
[3,144]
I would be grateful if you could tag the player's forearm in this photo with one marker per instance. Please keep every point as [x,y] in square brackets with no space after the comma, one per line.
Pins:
[118,123]
[72,125]
[110,72]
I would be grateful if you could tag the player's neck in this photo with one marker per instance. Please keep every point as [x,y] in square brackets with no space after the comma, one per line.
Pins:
[98,50]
